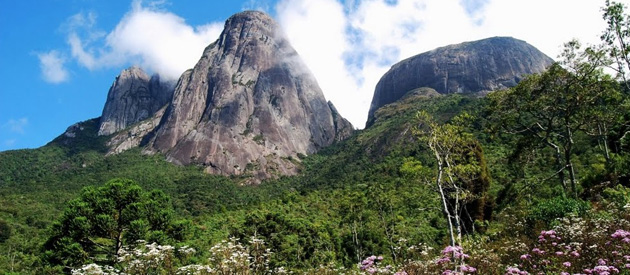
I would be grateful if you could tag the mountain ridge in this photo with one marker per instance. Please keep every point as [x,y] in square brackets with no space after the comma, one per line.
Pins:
[250,106]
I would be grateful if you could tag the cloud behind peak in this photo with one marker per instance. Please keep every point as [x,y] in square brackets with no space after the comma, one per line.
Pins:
[157,40]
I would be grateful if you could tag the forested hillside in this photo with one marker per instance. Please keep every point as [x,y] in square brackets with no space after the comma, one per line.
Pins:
[533,179]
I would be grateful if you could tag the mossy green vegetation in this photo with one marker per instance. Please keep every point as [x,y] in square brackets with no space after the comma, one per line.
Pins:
[376,193]
[354,199]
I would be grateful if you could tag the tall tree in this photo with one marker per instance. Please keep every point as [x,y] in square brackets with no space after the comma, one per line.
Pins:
[461,177]
[95,226]
[616,43]
[616,38]
[550,108]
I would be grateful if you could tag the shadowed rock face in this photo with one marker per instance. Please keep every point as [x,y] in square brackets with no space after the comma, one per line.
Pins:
[133,97]
[472,67]
[343,127]
[249,106]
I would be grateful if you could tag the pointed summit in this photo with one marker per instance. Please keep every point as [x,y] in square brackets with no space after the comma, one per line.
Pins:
[249,107]
[133,97]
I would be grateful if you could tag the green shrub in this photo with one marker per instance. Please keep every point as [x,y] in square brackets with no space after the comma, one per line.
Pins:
[558,207]
[5,231]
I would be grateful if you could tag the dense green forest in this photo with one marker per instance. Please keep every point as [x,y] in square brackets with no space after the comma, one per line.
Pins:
[530,180]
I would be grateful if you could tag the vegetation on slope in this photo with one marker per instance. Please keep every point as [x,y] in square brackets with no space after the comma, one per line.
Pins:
[377,193]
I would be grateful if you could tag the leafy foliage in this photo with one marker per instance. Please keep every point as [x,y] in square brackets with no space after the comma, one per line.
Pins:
[356,200]
[95,226]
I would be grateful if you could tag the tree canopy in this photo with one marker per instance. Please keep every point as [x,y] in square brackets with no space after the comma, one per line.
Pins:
[95,226]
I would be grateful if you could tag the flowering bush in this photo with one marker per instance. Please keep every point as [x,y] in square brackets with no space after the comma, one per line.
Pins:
[141,259]
[555,255]
[452,261]
[372,265]
[93,269]
[232,257]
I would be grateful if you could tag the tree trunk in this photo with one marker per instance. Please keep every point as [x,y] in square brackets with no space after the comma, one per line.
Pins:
[456,208]
[603,139]
[443,197]
[560,167]
[568,148]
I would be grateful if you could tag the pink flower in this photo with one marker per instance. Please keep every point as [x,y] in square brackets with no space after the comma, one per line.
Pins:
[559,253]
[620,234]
[443,260]
[575,254]
[567,264]
[468,269]
[526,257]
[600,269]
[513,270]
[538,251]
[450,249]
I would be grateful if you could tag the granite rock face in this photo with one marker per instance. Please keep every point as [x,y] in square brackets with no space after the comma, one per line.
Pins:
[249,106]
[133,136]
[471,67]
[343,127]
[133,97]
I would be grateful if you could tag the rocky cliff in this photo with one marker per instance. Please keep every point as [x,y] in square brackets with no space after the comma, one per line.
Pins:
[249,106]
[133,97]
[472,67]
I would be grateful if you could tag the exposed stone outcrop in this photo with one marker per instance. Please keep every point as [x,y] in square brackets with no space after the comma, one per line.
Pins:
[472,67]
[249,107]
[343,127]
[133,97]
[133,136]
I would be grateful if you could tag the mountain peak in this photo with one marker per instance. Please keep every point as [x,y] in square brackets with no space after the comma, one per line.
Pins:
[133,97]
[248,107]
[251,15]
[134,71]
[475,67]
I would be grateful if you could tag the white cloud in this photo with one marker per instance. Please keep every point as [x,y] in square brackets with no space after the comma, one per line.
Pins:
[349,45]
[16,125]
[317,30]
[52,65]
[156,40]
[546,24]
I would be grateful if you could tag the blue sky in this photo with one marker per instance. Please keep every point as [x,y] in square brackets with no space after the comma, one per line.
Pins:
[59,57]
[33,111]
